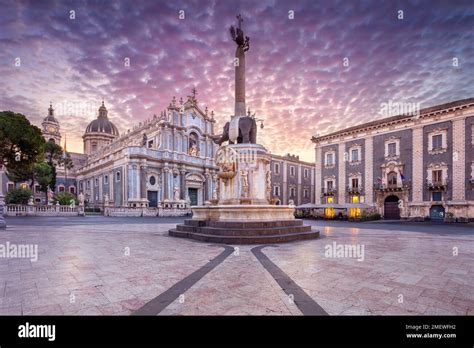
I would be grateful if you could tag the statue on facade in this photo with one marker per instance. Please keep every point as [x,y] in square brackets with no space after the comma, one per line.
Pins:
[176,193]
[144,140]
[81,198]
[50,196]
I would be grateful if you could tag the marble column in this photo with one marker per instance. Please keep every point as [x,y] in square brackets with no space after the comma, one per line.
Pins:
[143,179]
[182,189]
[166,172]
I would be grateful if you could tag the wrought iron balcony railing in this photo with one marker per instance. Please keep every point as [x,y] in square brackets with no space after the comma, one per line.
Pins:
[437,184]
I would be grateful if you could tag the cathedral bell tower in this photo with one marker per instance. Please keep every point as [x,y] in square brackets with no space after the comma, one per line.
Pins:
[51,127]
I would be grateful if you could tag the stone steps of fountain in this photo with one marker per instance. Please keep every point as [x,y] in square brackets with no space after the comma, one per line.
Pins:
[263,231]
[255,239]
[244,224]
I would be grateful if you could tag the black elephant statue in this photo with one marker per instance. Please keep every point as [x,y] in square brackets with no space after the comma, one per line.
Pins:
[247,132]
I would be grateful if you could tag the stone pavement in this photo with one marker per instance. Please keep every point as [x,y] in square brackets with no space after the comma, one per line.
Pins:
[99,265]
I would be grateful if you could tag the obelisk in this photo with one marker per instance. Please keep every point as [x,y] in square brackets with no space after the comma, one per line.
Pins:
[242,42]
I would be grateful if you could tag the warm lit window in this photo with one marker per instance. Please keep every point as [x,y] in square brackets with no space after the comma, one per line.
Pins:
[24,186]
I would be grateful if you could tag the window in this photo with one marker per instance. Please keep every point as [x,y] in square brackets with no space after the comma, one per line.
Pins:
[292,192]
[106,179]
[329,185]
[10,186]
[330,159]
[277,168]
[437,176]
[276,190]
[392,179]
[96,182]
[150,144]
[392,149]
[37,188]
[437,141]
[24,186]
[117,176]
[152,180]
[292,171]
[329,213]
[355,183]
[355,155]
[88,184]
[61,188]
[354,212]
[81,186]
[306,193]
[306,173]
[72,189]
[94,146]
[437,196]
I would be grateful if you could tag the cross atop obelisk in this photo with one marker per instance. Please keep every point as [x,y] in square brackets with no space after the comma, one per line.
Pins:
[237,35]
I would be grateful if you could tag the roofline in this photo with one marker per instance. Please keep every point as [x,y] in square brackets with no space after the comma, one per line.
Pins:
[426,112]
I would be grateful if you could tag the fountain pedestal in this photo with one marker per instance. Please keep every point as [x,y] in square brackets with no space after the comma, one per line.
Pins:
[242,214]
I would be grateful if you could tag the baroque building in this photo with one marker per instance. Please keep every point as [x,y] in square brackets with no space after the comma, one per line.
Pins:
[411,167]
[292,179]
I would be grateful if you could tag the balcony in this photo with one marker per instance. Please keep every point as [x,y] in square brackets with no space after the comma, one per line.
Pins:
[354,190]
[328,191]
[437,185]
[393,187]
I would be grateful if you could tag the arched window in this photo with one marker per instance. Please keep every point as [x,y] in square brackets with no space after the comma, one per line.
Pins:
[117,176]
[94,146]
[392,179]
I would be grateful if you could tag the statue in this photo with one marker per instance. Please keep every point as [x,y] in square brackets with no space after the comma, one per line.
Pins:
[291,203]
[106,199]
[30,201]
[50,196]
[244,177]
[176,193]
[242,129]
[81,198]
[193,148]
[144,140]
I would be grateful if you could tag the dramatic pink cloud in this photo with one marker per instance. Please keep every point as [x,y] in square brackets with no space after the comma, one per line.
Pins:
[296,79]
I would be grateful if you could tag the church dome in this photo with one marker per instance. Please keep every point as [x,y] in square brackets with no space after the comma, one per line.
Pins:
[102,124]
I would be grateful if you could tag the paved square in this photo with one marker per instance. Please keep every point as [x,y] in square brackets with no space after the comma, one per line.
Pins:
[116,266]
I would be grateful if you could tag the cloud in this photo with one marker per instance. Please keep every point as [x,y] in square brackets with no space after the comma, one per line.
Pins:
[296,80]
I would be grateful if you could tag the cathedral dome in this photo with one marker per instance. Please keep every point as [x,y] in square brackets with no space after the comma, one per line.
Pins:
[102,124]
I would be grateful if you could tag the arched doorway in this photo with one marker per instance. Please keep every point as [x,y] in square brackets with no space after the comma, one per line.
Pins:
[391,210]
[437,212]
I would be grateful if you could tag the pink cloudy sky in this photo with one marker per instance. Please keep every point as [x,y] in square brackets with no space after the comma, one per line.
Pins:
[296,80]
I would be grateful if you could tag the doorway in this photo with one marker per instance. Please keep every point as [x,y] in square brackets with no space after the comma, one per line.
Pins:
[437,212]
[391,209]
[152,199]
[193,195]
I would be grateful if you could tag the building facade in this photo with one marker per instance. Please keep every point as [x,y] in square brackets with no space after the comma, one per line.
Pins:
[292,179]
[410,167]
[163,161]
